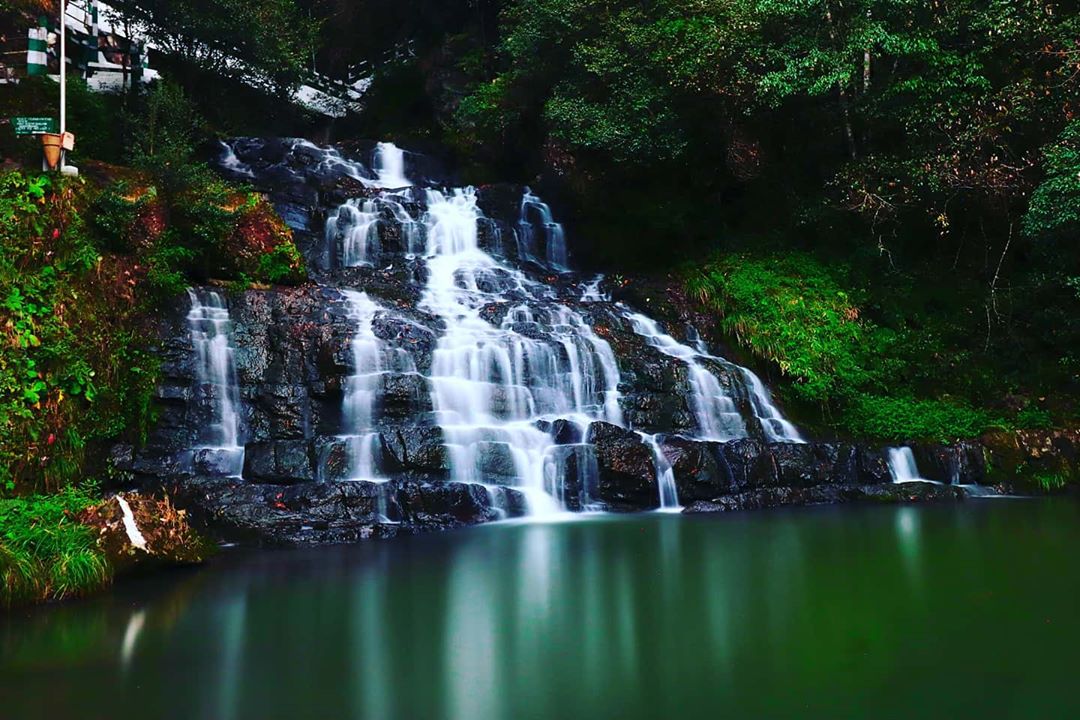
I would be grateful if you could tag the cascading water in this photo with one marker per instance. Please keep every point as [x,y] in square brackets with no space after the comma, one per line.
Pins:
[231,163]
[370,363]
[773,424]
[361,388]
[536,215]
[491,384]
[353,232]
[902,465]
[411,232]
[215,374]
[714,409]
[665,475]
[389,166]
[517,370]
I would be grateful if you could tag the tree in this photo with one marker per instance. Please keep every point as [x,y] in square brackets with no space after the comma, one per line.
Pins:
[268,44]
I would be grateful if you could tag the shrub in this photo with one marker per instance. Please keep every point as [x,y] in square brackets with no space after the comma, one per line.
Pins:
[45,553]
[869,380]
[284,264]
[74,365]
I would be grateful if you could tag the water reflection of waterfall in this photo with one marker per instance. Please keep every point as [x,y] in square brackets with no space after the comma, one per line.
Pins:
[636,618]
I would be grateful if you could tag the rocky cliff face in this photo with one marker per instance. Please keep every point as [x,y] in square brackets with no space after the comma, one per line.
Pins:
[443,367]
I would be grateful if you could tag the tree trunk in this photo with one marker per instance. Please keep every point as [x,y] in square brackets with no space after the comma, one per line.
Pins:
[845,111]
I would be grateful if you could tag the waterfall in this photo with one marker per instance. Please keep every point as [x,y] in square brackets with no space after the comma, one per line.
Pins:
[715,412]
[230,162]
[361,389]
[665,475]
[535,214]
[775,426]
[353,232]
[411,232]
[591,292]
[331,162]
[491,384]
[902,465]
[389,166]
[516,369]
[371,362]
[215,375]
[715,409]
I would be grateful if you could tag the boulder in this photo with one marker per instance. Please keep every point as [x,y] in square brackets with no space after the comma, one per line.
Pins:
[626,468]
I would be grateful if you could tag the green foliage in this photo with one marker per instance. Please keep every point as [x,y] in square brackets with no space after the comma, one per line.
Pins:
[284,264]
[164,139]
[167,267]
[892,383]
[1051,482]
[45,553]
[1054,211]
[899,418]
[790,310]
[74,365]
[268,44]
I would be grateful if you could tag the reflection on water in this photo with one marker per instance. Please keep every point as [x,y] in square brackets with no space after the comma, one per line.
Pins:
[959,611]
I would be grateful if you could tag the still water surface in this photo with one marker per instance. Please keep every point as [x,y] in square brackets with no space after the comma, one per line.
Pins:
[958,611]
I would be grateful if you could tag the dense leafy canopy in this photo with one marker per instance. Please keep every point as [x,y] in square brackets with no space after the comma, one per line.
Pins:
[268,43]
[932,148]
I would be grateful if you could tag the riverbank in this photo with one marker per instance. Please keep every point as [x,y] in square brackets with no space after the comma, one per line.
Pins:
[73,543]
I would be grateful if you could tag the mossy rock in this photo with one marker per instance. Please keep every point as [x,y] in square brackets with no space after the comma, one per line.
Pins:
[1034,461]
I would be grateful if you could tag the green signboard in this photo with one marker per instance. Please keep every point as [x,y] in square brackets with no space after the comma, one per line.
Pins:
[34,125]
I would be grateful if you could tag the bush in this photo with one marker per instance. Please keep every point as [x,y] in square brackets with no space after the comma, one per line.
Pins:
[284,264]
[891,383]
[791,311]
[899,419]
[45,553]
[74,361]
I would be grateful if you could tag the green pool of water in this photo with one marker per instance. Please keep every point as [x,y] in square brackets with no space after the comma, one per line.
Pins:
[948,611]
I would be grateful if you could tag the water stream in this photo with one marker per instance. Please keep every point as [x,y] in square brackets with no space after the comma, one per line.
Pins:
[216,383]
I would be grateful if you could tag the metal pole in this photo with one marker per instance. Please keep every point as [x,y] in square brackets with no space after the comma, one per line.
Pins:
[63,67]
[63,83]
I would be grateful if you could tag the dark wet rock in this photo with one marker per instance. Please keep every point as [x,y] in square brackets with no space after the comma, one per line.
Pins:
[431,506]
[626,469]
[761,498]
[960,463]
[707,469]
[418,448]
[335,512]
[281,461]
